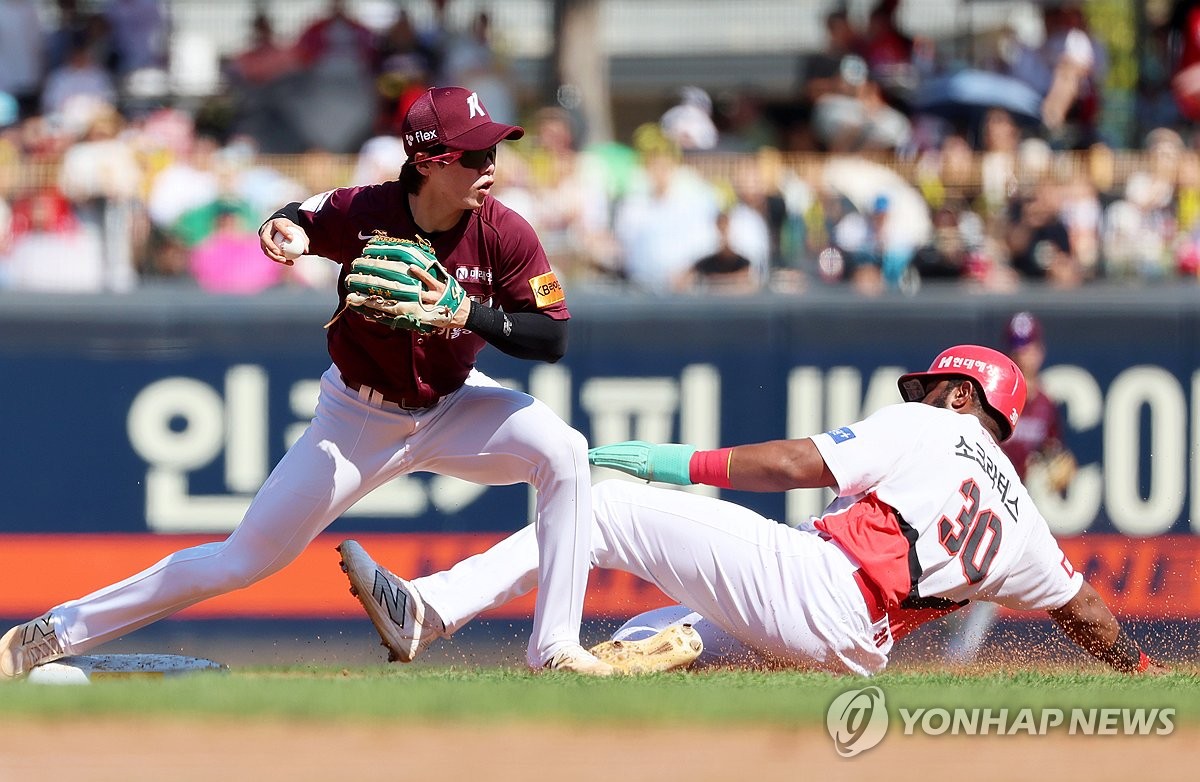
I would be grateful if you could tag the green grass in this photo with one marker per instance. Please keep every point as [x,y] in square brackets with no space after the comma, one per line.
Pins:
[493,695]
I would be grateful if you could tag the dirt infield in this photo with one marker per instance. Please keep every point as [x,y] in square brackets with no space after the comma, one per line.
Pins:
[204,751]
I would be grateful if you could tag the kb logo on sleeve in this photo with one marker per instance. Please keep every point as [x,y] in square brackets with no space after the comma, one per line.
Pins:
[546,289]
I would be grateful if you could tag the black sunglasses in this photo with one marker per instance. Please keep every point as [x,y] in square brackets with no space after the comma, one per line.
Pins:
[477,159]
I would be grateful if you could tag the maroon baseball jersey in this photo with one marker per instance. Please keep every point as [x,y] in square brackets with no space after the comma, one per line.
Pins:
[1037,426]
[492,252]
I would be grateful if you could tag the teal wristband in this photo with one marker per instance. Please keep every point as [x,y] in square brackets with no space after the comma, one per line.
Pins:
[670,464]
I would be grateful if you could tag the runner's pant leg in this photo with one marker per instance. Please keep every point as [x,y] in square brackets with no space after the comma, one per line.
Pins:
[783,592]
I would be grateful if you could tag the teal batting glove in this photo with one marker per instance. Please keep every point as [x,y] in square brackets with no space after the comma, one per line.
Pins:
[663,463]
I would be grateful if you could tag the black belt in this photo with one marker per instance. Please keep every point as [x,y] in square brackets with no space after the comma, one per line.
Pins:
[373,395]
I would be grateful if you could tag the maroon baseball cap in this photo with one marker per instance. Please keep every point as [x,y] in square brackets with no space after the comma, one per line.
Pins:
[1023,329]
[455,118]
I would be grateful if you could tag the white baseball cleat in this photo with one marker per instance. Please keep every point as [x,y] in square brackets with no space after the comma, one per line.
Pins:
[576,659]
[394,605]
[675,647]
[28,645]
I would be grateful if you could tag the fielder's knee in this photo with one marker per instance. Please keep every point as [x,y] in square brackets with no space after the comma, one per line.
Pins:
[564,453]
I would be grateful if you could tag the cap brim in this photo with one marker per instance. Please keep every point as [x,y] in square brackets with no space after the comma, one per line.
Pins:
[484,136]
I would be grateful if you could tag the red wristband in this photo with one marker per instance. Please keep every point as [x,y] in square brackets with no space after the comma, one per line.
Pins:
[711,468]
[1143,661]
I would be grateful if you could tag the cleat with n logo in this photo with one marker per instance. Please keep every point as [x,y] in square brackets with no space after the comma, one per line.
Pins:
[28,645]
[39,628]
[405,624]
[393,599]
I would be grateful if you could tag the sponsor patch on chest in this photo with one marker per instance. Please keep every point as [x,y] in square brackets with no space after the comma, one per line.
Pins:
[546,290]
[473,274]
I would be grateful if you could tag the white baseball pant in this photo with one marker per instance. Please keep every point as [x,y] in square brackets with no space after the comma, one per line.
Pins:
[766,591]
[482,433]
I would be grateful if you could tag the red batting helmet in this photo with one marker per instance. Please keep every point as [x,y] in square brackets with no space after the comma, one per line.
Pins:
[1002,383]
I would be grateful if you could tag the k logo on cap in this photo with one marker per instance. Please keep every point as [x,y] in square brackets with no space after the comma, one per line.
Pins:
[455,118]
[473,105]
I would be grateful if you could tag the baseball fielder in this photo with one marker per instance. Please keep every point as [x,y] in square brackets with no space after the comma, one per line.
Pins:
[929,514]
[432,268]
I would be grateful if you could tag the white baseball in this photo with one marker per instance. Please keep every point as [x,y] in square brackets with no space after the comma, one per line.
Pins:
[291,248]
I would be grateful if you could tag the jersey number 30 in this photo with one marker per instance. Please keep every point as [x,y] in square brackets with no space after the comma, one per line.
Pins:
[974,537]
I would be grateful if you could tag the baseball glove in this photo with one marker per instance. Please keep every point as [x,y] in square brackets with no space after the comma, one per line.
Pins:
[1053,465]
[1059,467]
[401,284]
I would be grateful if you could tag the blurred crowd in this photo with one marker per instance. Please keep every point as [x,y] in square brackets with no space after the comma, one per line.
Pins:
[895,164]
